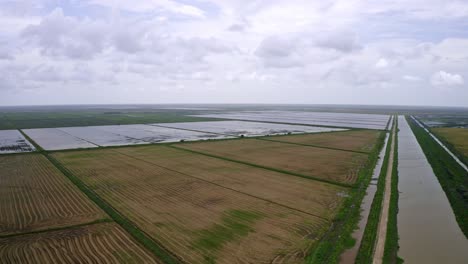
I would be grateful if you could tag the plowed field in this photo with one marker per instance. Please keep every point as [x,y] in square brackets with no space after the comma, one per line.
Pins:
[34,195]
[98,243]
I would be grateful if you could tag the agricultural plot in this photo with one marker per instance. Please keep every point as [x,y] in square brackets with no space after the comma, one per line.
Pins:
[34,195]
[56,139]
[101,137]
[457,137]
[155,134]
[198,220]
[97,243]
[309,118]
[354,140]
[326,164]
[249,129]
[316,198]
[95,136]
[12,141]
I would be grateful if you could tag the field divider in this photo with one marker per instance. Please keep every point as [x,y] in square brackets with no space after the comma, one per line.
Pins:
[139,235]
[265,167]
[95,222]
[228,188]
[314,146]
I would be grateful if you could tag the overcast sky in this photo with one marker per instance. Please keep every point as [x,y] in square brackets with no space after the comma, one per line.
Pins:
[401,52]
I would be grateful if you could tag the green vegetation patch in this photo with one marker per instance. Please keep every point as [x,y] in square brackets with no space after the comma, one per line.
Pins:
[234,224]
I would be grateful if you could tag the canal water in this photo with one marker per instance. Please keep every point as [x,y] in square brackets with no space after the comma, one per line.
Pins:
[427,227]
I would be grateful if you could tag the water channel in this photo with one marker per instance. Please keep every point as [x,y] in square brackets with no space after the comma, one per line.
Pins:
[427,227]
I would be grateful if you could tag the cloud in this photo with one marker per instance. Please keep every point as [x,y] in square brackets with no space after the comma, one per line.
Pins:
[412,78]
[381,63]
[442,78]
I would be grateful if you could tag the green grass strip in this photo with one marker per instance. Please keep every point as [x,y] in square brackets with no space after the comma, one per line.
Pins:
[339,236]
[263,167]
[452,177]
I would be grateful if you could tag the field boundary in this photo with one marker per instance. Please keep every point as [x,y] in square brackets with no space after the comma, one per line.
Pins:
[264,167]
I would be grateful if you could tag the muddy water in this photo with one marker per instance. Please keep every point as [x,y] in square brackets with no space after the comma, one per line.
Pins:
[350,254]
[427,227]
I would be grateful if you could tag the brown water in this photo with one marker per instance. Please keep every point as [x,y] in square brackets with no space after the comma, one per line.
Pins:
[350,254]
[427,227]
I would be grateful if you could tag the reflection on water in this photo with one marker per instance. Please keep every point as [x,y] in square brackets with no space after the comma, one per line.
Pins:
[427,227]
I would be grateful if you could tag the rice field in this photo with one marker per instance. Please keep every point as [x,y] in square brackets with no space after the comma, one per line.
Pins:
[34,196]
[56,139]
[12,141]
[354,140]
[368,121]
[248,129]
[97,243]
[313,197]
[457,137]
[201,215]
[326,164]
[119,135]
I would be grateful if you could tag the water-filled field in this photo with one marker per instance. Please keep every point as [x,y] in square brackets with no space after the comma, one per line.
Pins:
[12,141]
[248,129]
[368,121]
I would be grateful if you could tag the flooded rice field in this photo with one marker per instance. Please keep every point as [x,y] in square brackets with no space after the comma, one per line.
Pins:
[12,141]
[117,135]
[56,139]
[248,129]
[309,118]
[427,227]
[350,254]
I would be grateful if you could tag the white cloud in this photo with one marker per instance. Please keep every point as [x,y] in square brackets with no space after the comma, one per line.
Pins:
[412,78]
[381,63]
[442,78]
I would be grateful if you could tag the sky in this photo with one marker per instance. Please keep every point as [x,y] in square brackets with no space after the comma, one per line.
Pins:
[400,52]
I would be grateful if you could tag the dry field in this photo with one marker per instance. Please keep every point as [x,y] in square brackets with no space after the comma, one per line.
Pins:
[327,164]
[356,140]
[97,243]
[198,220]
[34,196]
[310,196]
[458,137]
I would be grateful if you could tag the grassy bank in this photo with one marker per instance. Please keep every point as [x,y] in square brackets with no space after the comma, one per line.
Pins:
[452,177]
[338,238]
[391,242]
[366,250]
